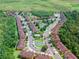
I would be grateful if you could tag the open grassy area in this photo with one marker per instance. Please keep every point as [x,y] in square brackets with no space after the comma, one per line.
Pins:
[39,5]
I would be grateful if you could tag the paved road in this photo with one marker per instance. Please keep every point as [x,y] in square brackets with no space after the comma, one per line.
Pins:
[30,41]
[31,45]
[46,34]
[52,50]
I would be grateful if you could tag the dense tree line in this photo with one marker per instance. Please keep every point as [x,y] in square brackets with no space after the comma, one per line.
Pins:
[8,36]
[69,33]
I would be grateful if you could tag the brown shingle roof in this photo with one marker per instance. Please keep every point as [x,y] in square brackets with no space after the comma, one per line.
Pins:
[31,25]
[56,37]
[21,43]
[61,47]
[70,56]
[20,29]
[57,41]
[42,56]
[27,54]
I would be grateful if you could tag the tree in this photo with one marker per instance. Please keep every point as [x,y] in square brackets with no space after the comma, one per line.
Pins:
[44,48]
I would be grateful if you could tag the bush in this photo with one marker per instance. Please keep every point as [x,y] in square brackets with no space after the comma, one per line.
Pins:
[44,48]
[42,13]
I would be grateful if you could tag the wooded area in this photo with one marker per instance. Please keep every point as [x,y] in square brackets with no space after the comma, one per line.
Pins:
[69,33]
[8,36]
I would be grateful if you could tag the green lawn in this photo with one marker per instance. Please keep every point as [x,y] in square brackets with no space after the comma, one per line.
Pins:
[16,54]
[39,5]
[39,40]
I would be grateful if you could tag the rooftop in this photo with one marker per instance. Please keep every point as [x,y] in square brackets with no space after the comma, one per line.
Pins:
[42,56]
[27,54]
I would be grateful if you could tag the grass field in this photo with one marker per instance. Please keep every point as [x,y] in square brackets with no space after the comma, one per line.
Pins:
[39,5]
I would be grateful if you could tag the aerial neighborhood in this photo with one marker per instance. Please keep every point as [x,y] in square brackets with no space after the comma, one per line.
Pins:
[37,37]
[39,29]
